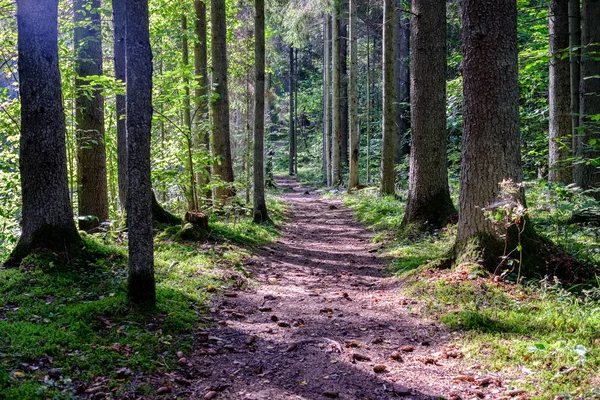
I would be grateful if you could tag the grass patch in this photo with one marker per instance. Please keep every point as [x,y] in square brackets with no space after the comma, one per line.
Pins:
[540,336]
[66,326]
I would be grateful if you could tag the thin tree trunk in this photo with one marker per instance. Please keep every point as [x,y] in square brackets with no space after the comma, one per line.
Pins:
[353,97]
[429,205]
[389,121]
[141,287]
[368,107]
[326,108]
[336,161]
[559,94]
[587,175]
[92,187]
[402,92]
[221,145]
[202,136]
[575,66]
[259,212]
[187,118]
[47,214]
[344,107]
[119,62]
[248,150]
[296,119]
[292,128]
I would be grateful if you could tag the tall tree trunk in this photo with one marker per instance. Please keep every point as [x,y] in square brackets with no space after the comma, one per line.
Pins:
[559,94]
[575,66]
[402,82]
[141,287]
[259,212]
[202,136]
[47,214]
[187,117]
[92,188]
[292,126]
[368,73]
[223,168]
[389,121]
[429,205]
[119,61]
[353,97]
[327,98]
[336,161]
[296,119]
[586,174]
[344,107]
[491,121]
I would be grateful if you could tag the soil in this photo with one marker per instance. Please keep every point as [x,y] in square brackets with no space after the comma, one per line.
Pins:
[325,321]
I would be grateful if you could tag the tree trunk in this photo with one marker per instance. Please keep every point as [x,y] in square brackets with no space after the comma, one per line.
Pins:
[344,107]
[429,205]
[202,137]
[187,118]
[259,212]
[559,94]
[223,168]
[586,174]
[389,121]
[92,188]
[491,121]
[47,214]
[119,61]
[402,82]
[336,161]
[353,98]
[575,67]
[141,287]
[326,107]
[368,73]
[292,127]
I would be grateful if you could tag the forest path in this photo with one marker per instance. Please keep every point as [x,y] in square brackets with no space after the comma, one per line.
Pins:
[323,290]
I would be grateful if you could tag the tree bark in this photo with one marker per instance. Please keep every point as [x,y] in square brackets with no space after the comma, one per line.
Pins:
[575,66]
[368,73]
[119,62]
[92,187]
[388,140]
[292,126]
[141,287]
[559,94]
[47,214]
[344,106]
[587,175]
[491,138]
[327,124]
[202,136]
[429,205]
[221,145]
[402,82]
[353,97]
[336,161]
[259,212]
[187,117]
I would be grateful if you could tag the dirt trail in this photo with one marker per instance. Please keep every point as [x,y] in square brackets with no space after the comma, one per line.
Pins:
[323,290]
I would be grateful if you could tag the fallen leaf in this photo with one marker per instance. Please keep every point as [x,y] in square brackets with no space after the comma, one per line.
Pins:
[380,368]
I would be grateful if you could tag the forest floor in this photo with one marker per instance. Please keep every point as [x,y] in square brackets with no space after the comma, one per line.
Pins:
[326,321]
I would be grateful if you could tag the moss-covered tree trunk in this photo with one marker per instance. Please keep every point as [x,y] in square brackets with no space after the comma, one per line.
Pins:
[586,172]
[559,94]
[429,205]
[141,287]
[221,144]
[92,187]
[47,214]
[389,119]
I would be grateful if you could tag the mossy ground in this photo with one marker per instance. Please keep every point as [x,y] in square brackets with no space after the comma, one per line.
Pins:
[64,325]
[544,336]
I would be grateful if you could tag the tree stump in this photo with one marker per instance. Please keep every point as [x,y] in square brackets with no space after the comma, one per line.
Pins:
[197,219]
[195,227]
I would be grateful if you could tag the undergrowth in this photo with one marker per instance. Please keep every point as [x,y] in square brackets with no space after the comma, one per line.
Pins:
[64,327]
[540,336]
